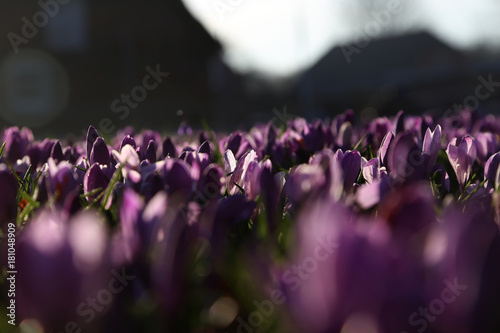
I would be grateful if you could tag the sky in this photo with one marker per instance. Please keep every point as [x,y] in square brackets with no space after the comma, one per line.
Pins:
[283,37]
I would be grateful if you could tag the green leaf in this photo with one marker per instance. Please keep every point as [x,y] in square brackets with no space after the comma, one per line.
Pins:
[28,198]
[91,193]
[80,168]
[2,149]
[358,144]
[114,180]
[240,188]
[443,159]
[474,190]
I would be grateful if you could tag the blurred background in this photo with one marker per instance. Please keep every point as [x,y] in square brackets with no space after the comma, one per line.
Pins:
[65,64]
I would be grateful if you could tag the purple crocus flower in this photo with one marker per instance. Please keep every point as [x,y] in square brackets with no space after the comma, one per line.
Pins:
[232,210]
[409,212]
[351,166]
[462,154]
[16,143]
[345,137]
[127,140]
[370,194]
[430,147]
[177,180]
[236,142]
[210,184]
[172,243]
[229,166]
[100,153]
[129,239]
[378,183]
[130,160]
[57,269]
[169,149]
[382,152]
[491,171]
[486,145]
[339,120]
[92,136]
[61,179]
[305,180]
[238,176]
[463,251]
[371,170]
[94,179]
[57,153]
[314,135]
[378,129]
[345,267]
[150,154]
[40,152]
[405,162]
[138,223]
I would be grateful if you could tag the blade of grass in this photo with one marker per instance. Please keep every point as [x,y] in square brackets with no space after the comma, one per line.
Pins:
[474,190]
[2,149]
[28,198]
[111,186]
[358,144]
[240,188]
[91,193]
[80,168]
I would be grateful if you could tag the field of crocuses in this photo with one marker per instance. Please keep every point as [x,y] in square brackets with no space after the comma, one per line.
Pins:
[323,226]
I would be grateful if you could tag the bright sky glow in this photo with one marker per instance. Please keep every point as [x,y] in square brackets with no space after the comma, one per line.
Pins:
[282,37]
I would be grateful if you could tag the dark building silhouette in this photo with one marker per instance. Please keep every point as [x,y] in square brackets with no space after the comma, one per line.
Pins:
[412,72]
[106,55]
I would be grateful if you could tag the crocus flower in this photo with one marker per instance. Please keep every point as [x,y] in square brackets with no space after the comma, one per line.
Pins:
[237,143]
[127,140]
[345,137]
[57,153]
[92,135]
[305,180]
[16,142]
[430,148]
[61,179]
[378,128]
[100,153]
[169,149]
[177,180]
[94,179]
[231,212]
[370,170]
[370,194]
[210,184]
[130,160]
[378,183]
[405,162]
[57,269]
[238,176]
[173,241]
[40,152]
[351,166]
[462,154]
[486,144]
[491,170]
[462,251]
[382,152]
[150,154]
[339,120]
